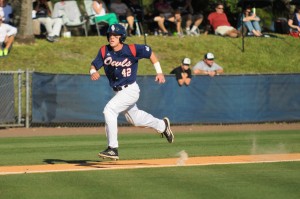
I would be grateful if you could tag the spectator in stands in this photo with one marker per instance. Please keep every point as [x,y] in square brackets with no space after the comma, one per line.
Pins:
[294,22]
[136,9]
[187,14]
[183,72]
[100,11]
[250,21]
[207,66]
[123,13]
[7,35]
[218,20]
[53,25]
[8,12]
[166,12]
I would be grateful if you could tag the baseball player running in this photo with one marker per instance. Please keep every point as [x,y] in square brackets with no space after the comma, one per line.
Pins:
[120,62]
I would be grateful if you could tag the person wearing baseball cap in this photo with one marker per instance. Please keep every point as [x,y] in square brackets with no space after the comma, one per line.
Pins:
[183,72]
[207,66]
[7,35]
[120,64]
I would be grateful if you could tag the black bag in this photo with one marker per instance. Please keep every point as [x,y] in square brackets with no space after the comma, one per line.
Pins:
[281,26]
[42,14]
[42,11]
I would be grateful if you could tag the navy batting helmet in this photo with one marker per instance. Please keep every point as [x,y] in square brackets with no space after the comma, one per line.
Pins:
[117,29]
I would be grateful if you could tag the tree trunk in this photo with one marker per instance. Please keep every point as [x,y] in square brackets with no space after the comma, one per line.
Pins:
[23,21]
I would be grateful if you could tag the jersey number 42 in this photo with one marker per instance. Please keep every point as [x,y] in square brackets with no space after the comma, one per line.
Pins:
[126,72]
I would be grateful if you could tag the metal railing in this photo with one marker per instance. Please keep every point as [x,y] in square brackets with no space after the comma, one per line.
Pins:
[15,98]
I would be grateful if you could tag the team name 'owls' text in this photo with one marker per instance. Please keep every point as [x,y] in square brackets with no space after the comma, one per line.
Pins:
[124,63]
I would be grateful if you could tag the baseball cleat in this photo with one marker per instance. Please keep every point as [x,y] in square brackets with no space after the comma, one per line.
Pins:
[168,132]
[111,153]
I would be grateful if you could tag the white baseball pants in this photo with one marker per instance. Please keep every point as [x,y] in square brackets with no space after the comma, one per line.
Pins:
[125,102]
[52,25]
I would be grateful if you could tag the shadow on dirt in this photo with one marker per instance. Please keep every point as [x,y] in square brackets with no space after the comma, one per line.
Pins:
[78,162]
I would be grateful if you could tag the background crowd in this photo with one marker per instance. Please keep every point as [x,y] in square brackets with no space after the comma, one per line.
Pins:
[51,19]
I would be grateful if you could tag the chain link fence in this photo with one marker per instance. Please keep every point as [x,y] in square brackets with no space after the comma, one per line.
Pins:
[30,99]
[14,98]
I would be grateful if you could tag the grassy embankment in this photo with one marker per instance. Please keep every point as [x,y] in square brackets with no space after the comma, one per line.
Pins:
[74,55]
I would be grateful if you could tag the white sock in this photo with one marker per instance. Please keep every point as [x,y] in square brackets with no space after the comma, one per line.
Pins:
[194,28]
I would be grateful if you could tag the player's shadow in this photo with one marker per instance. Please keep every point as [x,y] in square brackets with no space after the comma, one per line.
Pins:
[77,162]
[90,163]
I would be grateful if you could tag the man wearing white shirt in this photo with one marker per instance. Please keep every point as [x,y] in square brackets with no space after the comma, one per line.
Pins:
[8,12]
[42,14]
[7,35]
[207,66]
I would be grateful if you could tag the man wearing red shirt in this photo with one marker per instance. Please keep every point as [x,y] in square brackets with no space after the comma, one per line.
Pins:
[220,23]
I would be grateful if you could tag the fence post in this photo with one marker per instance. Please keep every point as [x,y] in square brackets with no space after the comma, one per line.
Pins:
[20,73]
[27,99]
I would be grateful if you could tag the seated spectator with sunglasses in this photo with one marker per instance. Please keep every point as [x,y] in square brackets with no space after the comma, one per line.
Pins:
[250,20]
[218,20]
[207,66]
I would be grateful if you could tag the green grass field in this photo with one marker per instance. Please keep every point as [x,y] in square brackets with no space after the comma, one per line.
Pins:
[270,180]
[74,55]
[37,150]
[263,180]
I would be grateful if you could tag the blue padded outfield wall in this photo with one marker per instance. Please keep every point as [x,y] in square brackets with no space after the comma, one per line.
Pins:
[222,99]
[7,98]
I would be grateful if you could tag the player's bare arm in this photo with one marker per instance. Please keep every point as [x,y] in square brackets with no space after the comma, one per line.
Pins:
[94,74]
[160,78]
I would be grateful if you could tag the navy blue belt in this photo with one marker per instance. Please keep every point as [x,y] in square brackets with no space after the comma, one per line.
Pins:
[119,88]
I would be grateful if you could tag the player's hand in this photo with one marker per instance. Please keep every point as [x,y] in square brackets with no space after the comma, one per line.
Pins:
[160,78]
[95,76]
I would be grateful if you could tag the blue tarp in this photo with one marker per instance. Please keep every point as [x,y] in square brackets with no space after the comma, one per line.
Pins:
[221,99]
[7,105]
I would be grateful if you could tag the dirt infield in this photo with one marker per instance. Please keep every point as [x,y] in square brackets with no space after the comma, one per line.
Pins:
[151,163]
[132,164]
